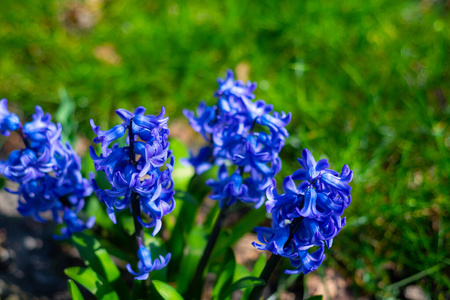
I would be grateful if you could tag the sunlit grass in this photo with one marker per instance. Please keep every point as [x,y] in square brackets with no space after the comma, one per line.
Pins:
[366,82]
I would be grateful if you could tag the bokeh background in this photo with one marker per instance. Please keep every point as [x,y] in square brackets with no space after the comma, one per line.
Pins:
[367,83]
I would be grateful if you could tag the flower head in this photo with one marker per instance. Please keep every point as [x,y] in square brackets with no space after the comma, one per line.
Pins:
[48,173]
[140,175]
[140,167]
[146,265]
[8,121]
[307,215]
[242,133]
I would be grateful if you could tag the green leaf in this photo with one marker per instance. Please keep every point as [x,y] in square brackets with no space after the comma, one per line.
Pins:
[140,290]
[74,291]
[242,283]
[247,223]
[259,265]
[196,243]
[65,113]
[225,275]
[93,282]
[181,173]
[180,234]
[256,272]
[240,272]
[185,196]
[228,237]
[99,260]
[94,208]
[166,291]
[185,220]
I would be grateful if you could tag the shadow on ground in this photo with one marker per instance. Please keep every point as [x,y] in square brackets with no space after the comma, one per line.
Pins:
[31,263]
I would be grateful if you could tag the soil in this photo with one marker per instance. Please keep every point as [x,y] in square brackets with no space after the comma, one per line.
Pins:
[32,263]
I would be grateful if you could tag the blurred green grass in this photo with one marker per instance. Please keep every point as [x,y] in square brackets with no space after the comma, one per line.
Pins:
[367,84]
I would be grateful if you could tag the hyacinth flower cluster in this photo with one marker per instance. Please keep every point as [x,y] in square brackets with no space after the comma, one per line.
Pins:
[140,178]
[308,215]
[245,134]
[47,171]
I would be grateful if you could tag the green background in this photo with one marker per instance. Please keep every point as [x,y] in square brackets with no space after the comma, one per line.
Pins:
[367,83]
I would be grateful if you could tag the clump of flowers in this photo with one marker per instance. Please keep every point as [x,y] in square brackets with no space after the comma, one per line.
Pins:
[306,215]
[140,178]
[47,171]
[244,134]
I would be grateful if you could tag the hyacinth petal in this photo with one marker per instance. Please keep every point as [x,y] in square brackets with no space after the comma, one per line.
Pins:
[310,201]
[130,269]
[300,174]
[111,215]
[337,183]
[322,165]
[150,122]
[157,227]
[289,185]
[106,137]
[124,114]
[309,160]
[144,276]
[8,121]
[281,237]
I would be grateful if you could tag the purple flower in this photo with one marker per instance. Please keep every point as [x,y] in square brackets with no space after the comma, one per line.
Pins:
[319,173]
[106,137]
[8,121]
[202,162]
[74,224]
[24,165]
[233,130]
[146,265]
[306,215]
[140,175]
[235,88]
[205,120]
[227,189]
[48,174]
[307,262]
[42,134]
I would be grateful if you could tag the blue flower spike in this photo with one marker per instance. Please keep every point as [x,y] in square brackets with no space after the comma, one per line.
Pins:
[140,174]
[230,129]
[47,170]
[145,264]
[307,216]
[8,121]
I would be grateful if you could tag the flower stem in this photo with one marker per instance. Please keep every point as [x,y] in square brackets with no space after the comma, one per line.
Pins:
[196,287]
[272,264]
[136,208]
[25,141]
[135,204]
[266,273]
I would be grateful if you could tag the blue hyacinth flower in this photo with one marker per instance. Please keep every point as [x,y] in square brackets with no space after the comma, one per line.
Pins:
[48,173]
[146,265]
[315,205]
[73,224]
[8,121]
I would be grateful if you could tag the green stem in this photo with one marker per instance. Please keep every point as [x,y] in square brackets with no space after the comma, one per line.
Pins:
[272,264]
[134,198]
[136,209]
[196,286]
[301,289]
[266,273]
